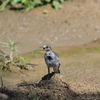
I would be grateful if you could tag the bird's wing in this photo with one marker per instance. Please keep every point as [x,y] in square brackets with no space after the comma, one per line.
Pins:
[57,57]
[55,54]
[45,57]
[48,62]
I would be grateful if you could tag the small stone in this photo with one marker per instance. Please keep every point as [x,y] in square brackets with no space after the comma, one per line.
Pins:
[4,33]
[74,30]
[3,96]
[80,36]
[56,38]
[95,39]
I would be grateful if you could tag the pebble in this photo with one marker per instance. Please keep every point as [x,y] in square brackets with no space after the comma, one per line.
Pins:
[4,33]
[3,96]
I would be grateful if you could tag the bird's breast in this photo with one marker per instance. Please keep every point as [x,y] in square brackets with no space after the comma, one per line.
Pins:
[49,57]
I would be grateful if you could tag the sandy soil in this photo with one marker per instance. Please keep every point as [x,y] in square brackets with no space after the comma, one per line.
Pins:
[73,32]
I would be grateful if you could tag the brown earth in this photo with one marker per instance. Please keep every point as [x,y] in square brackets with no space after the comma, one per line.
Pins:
[77,23]
[73,32]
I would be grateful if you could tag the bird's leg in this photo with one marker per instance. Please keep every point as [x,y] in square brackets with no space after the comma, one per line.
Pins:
[48,72]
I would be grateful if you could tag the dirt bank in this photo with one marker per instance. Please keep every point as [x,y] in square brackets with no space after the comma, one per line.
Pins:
[77,23]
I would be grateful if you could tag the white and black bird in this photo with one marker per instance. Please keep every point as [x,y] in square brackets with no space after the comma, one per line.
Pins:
[51,59]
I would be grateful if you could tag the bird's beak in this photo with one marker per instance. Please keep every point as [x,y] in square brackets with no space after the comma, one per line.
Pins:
[42,47]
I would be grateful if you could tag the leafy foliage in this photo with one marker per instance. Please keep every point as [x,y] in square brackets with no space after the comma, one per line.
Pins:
[45,11]
[22,62]
[57,4]
[7,59]
[12,46]
[12,58]
[30,4]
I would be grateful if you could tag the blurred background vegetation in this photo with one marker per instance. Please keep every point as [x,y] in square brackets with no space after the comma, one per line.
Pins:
[30,4]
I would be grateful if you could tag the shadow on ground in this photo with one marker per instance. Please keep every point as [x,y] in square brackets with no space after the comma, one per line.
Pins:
[52,89]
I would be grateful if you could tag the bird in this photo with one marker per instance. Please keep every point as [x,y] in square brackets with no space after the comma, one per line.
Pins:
[51,59]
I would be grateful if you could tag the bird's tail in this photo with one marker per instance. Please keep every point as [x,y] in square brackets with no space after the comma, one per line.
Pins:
[57,70]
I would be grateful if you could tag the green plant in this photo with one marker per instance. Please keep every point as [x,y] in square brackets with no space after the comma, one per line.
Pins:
[12,47]
[27,4]
[4,4]
[22,62]
[57,4]
[4,61]
[7,60]
[30,4]
[38,51]
[45,11]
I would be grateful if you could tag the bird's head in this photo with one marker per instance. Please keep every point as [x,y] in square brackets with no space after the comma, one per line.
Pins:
[46,47]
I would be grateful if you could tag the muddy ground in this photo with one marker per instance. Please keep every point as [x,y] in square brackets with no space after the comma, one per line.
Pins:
[73,32]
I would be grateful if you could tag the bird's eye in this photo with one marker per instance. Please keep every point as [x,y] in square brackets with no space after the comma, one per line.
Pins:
[47,47]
